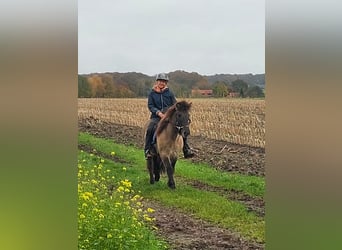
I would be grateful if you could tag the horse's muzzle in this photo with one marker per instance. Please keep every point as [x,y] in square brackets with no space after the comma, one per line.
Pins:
[185,132]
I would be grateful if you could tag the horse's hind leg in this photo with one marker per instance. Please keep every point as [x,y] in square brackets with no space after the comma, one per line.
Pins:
[150,168]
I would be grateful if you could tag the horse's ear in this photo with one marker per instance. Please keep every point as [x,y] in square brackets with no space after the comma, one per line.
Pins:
[178,106]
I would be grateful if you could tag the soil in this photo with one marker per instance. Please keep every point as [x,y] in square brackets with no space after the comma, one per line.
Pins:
[183,231]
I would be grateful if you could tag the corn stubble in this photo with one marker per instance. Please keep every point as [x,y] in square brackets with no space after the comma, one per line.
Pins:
[234,120]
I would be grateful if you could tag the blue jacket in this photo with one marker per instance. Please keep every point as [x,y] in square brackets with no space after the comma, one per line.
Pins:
[160,101]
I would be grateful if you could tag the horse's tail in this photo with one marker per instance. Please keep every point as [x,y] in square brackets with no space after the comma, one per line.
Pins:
[162,167]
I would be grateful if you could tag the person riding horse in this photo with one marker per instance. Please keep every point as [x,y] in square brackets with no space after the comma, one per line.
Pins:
[171,130]
[159,100]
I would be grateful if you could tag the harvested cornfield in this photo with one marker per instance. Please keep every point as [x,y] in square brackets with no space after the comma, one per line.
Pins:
[240,121]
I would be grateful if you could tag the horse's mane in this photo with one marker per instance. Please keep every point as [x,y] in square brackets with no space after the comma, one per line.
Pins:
[182,106]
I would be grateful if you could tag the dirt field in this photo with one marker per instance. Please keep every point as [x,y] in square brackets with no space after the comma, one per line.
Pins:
[183,231]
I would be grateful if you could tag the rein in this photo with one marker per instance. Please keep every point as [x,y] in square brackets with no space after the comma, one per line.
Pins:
[179,128]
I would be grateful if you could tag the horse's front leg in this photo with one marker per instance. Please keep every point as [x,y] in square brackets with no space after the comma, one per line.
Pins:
[150,167]
[169,165]
[157,168]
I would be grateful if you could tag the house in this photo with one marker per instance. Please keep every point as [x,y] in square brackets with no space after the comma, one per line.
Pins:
[233,94]
[201,92]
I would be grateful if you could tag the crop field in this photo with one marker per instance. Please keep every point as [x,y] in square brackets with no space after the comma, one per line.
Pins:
[240,121]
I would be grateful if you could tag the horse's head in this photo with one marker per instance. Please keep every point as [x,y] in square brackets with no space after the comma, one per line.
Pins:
[177,116]
[181,118]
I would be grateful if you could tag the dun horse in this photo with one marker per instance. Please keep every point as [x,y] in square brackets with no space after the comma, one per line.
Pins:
[169,133]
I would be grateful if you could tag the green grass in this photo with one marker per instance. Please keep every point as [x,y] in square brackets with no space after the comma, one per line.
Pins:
[202,204]
[251,185]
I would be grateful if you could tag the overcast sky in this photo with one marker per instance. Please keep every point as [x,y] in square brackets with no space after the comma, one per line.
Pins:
[151,36]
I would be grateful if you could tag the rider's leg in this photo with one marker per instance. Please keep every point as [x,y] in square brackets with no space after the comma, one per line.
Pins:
[149,137]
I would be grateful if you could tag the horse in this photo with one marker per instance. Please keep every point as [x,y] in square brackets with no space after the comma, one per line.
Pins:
[169,142]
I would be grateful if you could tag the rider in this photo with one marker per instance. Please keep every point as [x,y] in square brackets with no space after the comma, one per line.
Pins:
[159,100]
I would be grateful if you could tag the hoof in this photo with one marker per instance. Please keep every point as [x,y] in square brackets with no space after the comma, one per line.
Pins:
[172,186]
[151,181]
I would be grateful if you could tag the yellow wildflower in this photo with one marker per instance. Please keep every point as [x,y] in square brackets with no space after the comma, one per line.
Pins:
[88,194]
[150,210]
[135,197]
[85,197]
[147,218]
[126,183]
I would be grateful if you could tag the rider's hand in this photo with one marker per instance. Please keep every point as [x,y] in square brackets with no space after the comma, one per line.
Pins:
[161,115]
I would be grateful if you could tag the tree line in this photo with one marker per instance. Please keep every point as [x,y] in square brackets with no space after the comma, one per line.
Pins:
[239,87]
[132,84]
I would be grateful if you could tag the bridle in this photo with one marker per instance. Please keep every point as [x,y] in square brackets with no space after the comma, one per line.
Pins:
[179,128]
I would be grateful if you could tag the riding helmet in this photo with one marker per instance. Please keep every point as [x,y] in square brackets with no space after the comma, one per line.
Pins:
[162,76]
